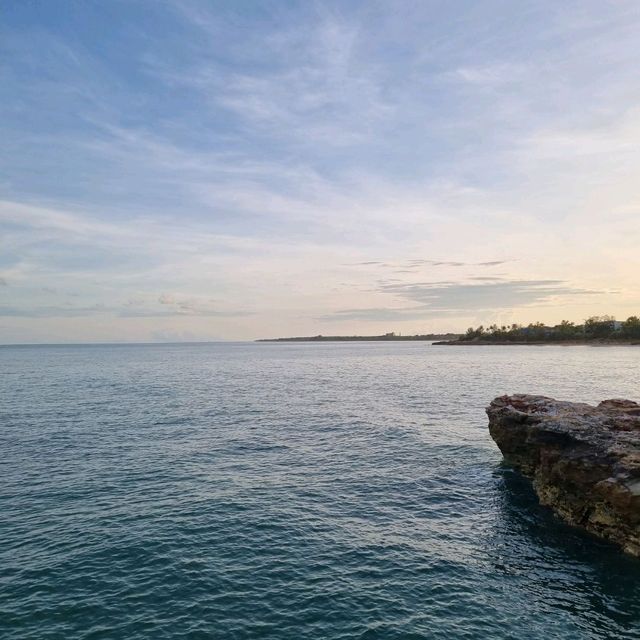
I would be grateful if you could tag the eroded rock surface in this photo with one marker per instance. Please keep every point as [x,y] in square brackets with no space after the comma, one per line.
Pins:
[584,460]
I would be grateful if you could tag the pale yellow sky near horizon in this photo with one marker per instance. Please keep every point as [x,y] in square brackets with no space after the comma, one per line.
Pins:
[340,170]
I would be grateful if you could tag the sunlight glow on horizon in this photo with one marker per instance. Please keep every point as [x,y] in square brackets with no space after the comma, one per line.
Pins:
[196,170]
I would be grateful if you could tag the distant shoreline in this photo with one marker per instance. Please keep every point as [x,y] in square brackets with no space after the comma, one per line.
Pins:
[561,343]
[389,337]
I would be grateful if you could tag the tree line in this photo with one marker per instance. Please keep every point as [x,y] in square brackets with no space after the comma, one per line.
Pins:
[594,328]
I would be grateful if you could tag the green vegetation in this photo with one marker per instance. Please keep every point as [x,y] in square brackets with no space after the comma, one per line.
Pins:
[593,329]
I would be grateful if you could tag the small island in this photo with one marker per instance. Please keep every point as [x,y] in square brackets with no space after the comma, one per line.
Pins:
[427,337]
[597,330]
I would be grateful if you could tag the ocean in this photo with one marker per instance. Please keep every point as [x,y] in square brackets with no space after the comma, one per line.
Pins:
[292,491]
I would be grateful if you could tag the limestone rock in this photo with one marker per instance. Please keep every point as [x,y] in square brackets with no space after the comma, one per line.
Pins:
[584,460]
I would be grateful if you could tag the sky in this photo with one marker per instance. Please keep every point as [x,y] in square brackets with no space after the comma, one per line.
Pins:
[180,170]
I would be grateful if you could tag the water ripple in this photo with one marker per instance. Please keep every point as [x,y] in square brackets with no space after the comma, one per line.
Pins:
[292,491]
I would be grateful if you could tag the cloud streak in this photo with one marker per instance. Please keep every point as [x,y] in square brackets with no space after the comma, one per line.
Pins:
[448,299]
[415,263]
[245,163]
[121,312]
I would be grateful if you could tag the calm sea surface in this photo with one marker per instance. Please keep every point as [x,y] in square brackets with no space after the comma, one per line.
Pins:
[292,491]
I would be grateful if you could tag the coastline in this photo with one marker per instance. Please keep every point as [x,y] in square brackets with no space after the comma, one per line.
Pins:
[582,459]
[428,337]
[541,343]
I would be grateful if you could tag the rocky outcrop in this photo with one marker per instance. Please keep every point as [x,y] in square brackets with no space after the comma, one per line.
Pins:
[584,460]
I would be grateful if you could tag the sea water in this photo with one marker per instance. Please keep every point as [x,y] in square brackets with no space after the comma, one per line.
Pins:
[292,491]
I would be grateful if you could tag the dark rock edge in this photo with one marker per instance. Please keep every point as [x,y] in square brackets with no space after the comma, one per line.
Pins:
[584,460]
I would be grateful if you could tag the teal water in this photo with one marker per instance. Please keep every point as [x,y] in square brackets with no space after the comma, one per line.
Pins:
[292,491]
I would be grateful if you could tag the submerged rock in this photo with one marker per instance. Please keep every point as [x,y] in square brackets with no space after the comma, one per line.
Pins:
[584,460]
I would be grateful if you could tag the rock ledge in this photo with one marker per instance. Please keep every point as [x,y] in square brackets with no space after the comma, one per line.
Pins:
[584,460]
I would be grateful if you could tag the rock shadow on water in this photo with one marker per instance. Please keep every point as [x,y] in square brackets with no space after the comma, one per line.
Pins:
[561,566]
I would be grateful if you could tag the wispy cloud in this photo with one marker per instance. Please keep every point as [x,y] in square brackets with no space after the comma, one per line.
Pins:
[244,164]
[498,295]
[183,313]
[437,299]
[329,95]
[414,264]
[124,311]
[51,311]
[490,75]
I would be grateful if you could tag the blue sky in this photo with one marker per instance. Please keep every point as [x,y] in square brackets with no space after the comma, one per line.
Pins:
[183,170]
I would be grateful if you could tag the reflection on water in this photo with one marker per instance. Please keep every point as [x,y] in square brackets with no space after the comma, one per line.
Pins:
[585,574]
[292,491]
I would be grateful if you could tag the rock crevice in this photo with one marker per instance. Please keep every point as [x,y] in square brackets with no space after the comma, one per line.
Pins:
[584,460]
